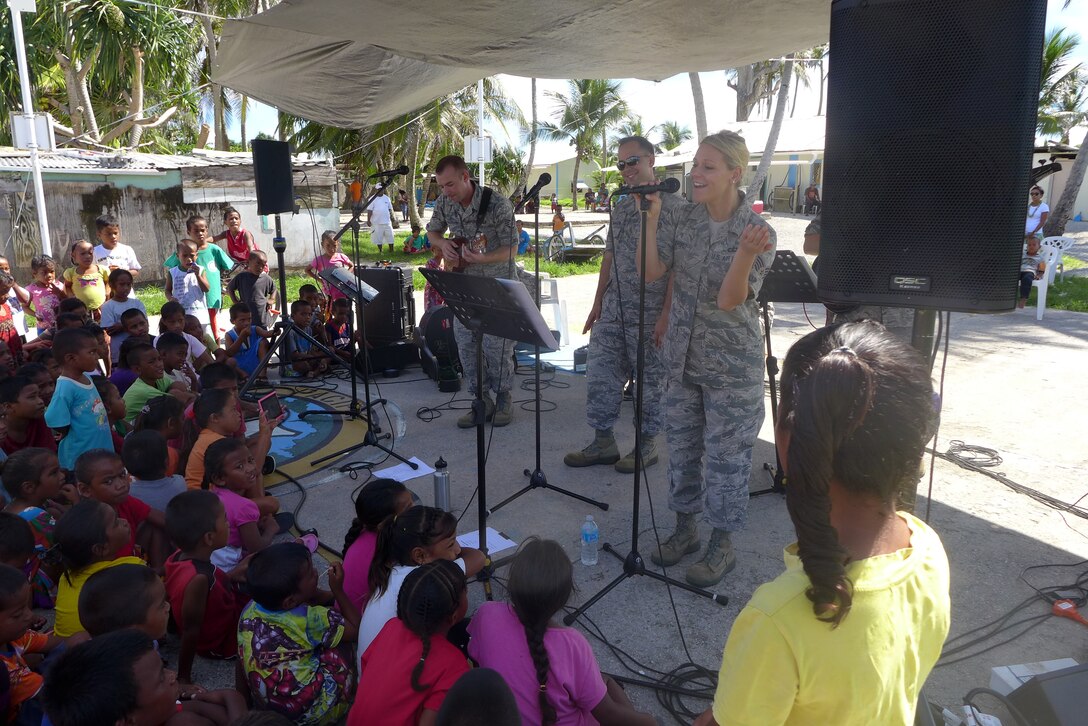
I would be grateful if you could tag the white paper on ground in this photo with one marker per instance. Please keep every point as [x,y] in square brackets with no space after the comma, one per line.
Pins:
[496,541]
[403,472]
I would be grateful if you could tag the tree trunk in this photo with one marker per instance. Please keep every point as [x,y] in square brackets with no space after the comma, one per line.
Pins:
[218,115]
[242,112]
[71,87]
[747,93]
[136,106]
[776,127]
[1063,210]
[574,179]
[523,185]
[700,106]
[793,104]
[823,82]
[412,142]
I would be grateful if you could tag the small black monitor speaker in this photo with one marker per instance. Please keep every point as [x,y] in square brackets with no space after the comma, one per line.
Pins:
[930,128]
[272,173]
[1058,698]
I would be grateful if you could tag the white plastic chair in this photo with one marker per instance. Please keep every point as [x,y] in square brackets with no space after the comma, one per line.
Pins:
[1051,256]
[1063,244]
[549,298]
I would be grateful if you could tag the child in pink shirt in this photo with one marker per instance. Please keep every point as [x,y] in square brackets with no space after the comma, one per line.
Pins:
[380,498]
[45,292]
[332,258]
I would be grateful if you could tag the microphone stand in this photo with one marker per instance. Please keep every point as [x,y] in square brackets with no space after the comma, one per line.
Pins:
[537,478]
[633,564]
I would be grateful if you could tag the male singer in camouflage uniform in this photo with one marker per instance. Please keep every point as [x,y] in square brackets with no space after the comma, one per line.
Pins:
[457,209]
[613,322]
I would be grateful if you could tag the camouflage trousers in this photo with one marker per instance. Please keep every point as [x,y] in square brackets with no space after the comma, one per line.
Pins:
[497,359]
[613,353]
[720,425]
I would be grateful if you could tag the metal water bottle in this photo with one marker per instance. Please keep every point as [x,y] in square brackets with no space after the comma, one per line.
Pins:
[590,535]
[441,485]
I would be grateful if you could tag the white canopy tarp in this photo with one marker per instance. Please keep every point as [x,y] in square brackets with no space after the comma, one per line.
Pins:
[353,63]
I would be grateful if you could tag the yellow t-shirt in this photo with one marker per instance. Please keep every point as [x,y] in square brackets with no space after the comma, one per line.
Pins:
[90,288]
[783,666]
[67,606]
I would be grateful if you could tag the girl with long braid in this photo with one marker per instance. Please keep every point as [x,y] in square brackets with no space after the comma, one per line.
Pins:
[377,500]
[551,669]
[852,628]
[405,673]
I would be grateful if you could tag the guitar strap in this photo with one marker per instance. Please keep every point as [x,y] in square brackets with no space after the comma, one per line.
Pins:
[485,202]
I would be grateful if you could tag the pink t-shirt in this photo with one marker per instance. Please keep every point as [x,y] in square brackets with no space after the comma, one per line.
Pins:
[321,262]
[575,685]
[45,299]
[239,511]
[357,569]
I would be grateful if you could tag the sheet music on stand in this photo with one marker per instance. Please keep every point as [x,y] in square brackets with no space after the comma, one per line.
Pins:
[348,284]
[790,280]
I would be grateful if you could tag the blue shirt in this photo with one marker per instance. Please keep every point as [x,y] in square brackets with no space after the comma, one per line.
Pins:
[79,407]
[523,242]
[247,358]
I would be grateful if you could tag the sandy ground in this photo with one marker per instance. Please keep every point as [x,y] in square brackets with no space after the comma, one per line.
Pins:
[1011,383]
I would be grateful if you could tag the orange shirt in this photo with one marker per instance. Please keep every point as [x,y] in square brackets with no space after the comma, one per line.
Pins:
[25,683]
[194,469]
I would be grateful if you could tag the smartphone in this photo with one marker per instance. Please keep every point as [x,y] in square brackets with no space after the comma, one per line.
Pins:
[271,407]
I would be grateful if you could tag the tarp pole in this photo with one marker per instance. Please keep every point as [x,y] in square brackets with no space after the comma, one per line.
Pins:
[18,7]
[480,125]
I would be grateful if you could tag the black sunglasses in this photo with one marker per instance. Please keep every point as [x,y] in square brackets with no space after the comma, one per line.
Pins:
[629,161]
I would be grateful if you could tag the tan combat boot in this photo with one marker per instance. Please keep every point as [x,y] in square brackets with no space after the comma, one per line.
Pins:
[683,541]
[468,420]
[603,450]
[718,560]
[626,465]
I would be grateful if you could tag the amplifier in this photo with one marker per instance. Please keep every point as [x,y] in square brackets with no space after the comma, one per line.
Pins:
[391,316]
[395,356]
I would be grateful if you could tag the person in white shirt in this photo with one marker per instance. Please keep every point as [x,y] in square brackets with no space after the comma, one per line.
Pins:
[110,252]
[379,215]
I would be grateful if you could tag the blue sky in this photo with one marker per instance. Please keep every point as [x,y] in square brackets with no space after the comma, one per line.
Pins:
[669,100]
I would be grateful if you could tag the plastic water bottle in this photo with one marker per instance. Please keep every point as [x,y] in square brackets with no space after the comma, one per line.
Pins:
[441,485]
[590,535]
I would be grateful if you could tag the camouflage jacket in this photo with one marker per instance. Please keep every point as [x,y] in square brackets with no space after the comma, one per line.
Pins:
[497,225]
[710,346]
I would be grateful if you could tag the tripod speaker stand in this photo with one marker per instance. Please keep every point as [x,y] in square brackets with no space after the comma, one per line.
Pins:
[633,564]
[790,280]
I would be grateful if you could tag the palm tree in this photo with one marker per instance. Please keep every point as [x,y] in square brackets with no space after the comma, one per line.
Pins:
[633,126]
[590,107]
[819,55]
[700,106]
[753,84]
[1057,75]
[776,126]
[533,129]
[673,134]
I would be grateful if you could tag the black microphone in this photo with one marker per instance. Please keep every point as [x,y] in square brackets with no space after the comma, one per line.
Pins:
[533,193]
[402,169]
[670,185]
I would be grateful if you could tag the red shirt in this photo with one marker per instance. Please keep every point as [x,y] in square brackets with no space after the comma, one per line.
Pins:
[385,677]
[37,434]
[219,632]
[9,334]
[133,511]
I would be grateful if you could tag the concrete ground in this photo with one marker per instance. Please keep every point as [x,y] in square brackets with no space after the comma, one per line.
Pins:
[1011,384]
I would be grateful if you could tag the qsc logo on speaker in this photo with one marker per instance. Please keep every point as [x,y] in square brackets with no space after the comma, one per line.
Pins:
[913,283]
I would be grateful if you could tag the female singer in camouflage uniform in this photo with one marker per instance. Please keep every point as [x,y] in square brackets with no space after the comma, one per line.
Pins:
[720,251]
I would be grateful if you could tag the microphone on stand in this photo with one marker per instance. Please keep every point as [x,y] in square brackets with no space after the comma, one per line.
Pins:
[402,169]
[671,185]
[544,180]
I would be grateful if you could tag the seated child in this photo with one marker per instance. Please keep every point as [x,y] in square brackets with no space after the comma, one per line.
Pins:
[319,302]
[163,416]
[1032,267]
[24,410]
[551,669]
[290,647]
[151,381]
[194,328]
[302,359]
[45,292]
[405,673]
[40,375]
[245,342]
[135,325]
[559,222]
[338,329]
[125,596]
[76,411]
[480,696]
[230,472]
[115,409]
[523,238]
[853,627]
[119,678]
[16,617]
[378,500]
[101,475]
[204,599]
[187,284]
[145,456]
[416,242]
[221,375]
[121,300]
[174,351]
[421,535]
[89,536]
[35,483]
[74,305]
[172,320]
[254,287]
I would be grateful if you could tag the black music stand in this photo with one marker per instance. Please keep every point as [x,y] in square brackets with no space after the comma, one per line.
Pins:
[790,280]
[502,308]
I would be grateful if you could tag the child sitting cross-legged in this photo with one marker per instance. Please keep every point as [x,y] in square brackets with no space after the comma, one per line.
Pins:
[339,330]
[230,472]
[151,381]
[378,500]
[101,475]
[245,342]
[24,411]
[303,359]
[405,673]
[174,350]
[551,669]
[295,652]
[205,600]
[89,536]
[119,678]
[16,617]
[146,457]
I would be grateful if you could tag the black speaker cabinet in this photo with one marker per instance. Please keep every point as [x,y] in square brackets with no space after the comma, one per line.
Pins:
[1058,698]
[930,128]
[272,173]
[390,317]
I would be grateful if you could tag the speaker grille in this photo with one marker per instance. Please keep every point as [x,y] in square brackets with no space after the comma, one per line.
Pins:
[930,128]
[272,175]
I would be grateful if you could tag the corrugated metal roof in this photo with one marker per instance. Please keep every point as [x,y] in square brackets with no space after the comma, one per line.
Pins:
[78,160]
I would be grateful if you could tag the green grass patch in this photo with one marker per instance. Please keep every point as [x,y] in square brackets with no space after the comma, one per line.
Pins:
[1071,294]
[1072,263]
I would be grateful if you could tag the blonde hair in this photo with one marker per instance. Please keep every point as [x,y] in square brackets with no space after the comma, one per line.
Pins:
[730,145]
